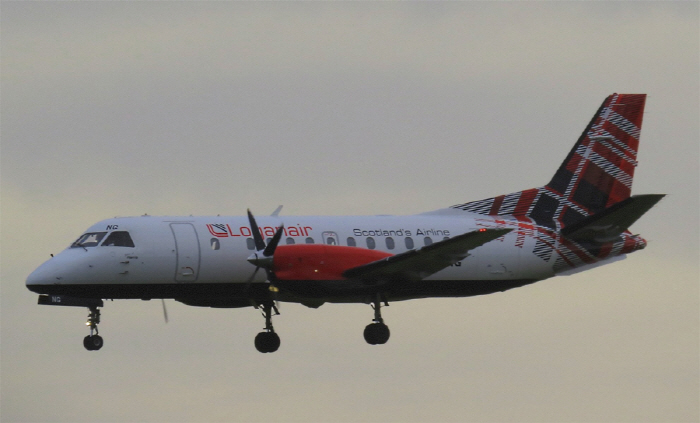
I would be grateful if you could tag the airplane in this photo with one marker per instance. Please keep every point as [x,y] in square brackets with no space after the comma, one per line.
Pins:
[577,221]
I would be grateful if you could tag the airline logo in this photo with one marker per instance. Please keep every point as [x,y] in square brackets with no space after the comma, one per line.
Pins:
[222,230]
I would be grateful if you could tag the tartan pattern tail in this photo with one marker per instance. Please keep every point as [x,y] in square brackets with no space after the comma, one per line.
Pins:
[596,174]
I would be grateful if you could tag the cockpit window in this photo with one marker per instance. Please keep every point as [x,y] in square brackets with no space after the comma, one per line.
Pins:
[118,239]
[90,239]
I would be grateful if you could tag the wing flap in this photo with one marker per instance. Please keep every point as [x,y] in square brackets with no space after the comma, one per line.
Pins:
[418,264]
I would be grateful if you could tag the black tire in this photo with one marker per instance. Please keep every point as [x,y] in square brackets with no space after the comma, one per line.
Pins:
[376,333]
[93,342]
[382,334]
[87,343]
[260,342]
[273,342]
[97,342]
[267,342]
[370,334]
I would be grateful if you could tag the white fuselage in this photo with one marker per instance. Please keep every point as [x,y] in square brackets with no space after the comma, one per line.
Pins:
[213,251]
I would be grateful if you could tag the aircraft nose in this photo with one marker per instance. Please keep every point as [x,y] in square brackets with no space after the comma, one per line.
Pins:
[46,274]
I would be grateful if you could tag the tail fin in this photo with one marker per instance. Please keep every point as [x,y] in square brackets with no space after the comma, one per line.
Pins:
[596,174]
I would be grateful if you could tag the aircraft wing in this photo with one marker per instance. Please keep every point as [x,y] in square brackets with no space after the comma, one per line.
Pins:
[418,264]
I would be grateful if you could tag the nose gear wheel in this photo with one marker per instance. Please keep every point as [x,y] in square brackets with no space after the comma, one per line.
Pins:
[94,341]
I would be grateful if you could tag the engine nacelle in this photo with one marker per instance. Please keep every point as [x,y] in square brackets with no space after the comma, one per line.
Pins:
[319,261]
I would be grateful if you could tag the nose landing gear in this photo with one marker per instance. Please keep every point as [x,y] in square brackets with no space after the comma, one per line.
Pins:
[93,342]
[377,333]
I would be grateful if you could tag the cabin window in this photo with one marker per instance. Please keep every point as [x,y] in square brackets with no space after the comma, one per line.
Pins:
[446,238]
[215,244]
[118,239]
[390,243]
[90,239]
[351,242]
[409,243]
[250,243]
[289,241]
[370,243]
[309,240]
[427,241]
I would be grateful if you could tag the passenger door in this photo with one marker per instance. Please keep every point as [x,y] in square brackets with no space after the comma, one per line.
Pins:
[187,246]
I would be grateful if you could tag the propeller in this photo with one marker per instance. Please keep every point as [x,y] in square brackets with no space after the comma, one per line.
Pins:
[165,311]
[263,255]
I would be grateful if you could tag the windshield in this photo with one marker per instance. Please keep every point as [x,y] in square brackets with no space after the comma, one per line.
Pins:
[118,239]
[90,239]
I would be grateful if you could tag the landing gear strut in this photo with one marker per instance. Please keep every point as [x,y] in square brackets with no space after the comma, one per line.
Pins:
[93,342]
[268,341]
[377,333]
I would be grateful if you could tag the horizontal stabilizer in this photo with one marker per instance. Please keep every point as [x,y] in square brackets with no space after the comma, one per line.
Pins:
[608,224]
[418,264]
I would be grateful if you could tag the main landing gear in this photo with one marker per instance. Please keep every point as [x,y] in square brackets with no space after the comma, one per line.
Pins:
[377,333]
[93,342]
[268,341]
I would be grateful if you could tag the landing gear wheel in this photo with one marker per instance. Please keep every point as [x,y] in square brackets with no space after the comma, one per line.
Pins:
[376,333]
[267,342]
[93,342]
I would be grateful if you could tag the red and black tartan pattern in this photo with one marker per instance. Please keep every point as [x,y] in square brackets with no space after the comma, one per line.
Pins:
[569,253]
[596,174]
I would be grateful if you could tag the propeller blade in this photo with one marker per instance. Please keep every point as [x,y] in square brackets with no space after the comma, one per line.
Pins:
[270,249]
[253,275]
[165,310]
[255,229]
[262,257]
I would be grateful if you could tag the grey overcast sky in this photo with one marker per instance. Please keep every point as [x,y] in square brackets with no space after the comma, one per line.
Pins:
[125,108]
